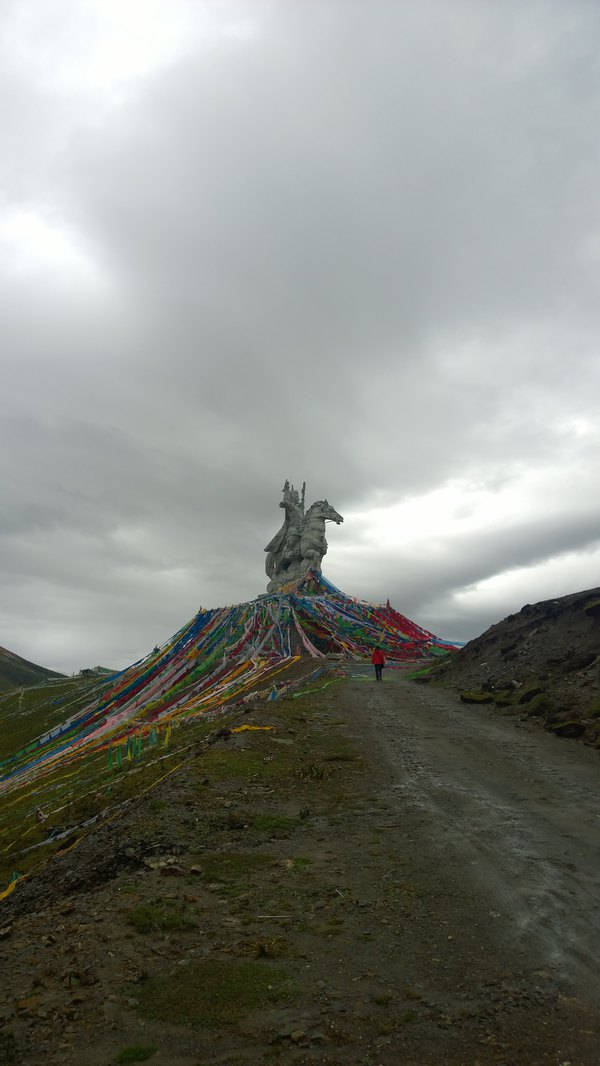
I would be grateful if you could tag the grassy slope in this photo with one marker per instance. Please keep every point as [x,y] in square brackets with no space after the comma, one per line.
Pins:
[86,787]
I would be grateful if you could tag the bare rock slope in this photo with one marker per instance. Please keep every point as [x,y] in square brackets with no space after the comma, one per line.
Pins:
[543,662]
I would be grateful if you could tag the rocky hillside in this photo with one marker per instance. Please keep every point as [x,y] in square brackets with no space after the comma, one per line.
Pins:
[542,662]
[15,671]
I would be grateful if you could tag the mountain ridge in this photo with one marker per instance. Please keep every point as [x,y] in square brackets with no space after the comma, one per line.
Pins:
[17,672]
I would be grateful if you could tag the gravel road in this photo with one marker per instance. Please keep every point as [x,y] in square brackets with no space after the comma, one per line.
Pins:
[515,809]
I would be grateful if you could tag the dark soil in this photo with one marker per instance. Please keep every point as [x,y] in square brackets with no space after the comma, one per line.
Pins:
[387,876]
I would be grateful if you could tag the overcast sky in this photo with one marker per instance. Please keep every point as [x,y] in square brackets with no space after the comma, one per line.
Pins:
[356,243]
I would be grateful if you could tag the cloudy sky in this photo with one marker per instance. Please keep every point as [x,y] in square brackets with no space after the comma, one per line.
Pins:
[355,242]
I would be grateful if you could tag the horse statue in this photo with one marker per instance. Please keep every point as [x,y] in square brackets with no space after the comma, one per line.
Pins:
[313,545]
[300,544]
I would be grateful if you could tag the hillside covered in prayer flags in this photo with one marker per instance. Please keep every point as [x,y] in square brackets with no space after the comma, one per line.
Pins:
[92,729]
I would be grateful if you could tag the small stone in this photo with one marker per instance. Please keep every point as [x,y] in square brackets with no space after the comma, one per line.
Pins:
[172,870]
[28,1004]
[5,932]
[319,1038]
[411,993]
[296,1035]
[338,1006]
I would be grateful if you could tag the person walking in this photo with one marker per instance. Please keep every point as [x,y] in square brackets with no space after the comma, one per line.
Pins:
[378,660]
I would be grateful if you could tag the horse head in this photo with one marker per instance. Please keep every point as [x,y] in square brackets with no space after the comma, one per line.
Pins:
[323,509]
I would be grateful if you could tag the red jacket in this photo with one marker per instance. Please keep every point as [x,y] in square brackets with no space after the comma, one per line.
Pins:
[378,658]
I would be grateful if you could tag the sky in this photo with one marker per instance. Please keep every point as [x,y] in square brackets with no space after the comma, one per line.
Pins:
[349,242]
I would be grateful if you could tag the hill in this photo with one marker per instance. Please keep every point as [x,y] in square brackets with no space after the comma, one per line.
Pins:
[16,672]
[543,662]
[61,743]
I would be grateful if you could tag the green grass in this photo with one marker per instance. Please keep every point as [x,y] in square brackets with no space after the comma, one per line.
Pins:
[325,929]
[233,867]
[9,1052]
[71,796]
[30,712]
[411,675]
[165,915]
[211,993]
[135,1053]
[312,772]
[339,756]
[273,947]
[265,765]
[300,863]
[540,704]
[274,823]
[477,697]
[383,999]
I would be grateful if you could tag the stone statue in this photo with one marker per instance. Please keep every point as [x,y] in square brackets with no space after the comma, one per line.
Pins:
[300,544]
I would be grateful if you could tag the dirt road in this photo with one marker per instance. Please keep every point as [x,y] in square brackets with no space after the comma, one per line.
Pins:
[516,810]
[370,875]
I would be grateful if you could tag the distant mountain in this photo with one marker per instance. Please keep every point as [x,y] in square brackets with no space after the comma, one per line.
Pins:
[15,671]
